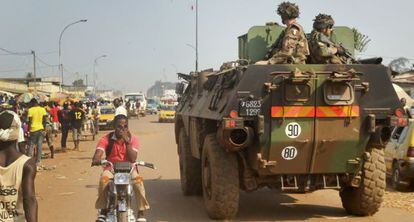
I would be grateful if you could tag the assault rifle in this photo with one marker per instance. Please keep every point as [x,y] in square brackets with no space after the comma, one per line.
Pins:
[342,51]
[272,48]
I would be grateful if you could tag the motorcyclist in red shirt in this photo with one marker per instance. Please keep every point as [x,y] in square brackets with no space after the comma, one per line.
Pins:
[118,146]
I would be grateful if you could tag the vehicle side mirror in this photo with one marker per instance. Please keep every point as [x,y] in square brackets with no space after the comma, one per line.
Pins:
[179,88]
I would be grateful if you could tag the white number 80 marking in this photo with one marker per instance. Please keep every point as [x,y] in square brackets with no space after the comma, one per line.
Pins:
[289,153]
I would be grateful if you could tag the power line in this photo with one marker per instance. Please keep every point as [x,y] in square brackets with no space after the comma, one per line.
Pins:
[73,73]
[48,53]
[15,53]
[45,63]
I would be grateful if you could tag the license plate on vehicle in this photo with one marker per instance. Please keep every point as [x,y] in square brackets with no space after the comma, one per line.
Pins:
[250,108]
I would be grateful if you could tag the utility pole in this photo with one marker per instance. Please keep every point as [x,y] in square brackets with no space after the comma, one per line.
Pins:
[95,62]
[60,50]
[196,65]
[34,69]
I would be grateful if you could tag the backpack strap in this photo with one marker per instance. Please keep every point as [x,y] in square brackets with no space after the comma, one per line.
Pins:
[108,149]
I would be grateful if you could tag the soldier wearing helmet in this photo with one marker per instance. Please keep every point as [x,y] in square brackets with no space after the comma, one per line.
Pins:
[292,45]
[323,49]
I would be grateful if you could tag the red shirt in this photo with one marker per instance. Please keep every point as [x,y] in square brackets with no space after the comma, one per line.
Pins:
[54,112]
[118,152]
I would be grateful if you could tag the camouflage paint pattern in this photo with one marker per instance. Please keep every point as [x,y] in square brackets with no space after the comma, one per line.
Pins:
[325,144]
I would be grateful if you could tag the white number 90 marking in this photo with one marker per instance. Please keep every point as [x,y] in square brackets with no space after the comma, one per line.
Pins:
[293,130]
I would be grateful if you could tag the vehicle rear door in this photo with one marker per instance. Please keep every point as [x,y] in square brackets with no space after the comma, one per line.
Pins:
[292,123]
[340,138]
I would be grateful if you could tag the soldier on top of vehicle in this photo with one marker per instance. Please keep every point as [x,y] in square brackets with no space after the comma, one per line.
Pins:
[292,46]
[323,49]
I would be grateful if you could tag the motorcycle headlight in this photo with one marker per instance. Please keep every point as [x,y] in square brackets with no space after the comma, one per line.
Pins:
[121,178]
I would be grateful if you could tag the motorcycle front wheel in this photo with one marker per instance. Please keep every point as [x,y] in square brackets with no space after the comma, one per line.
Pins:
[122,216]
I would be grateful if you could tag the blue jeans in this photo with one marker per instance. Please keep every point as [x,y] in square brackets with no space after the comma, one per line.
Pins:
[36,139]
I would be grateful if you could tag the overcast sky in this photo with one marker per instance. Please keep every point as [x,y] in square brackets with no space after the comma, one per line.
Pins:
[147,40]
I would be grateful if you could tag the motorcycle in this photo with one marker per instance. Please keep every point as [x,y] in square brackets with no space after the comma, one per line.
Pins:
[120,190]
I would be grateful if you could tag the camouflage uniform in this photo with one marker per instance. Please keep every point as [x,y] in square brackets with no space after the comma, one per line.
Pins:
[321,52]
[323,49]
[291,46]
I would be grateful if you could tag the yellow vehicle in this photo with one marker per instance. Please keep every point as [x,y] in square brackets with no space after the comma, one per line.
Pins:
[107,115]
[399,157]
[166,114]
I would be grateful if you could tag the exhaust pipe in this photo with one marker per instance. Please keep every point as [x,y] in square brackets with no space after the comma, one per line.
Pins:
[235,139]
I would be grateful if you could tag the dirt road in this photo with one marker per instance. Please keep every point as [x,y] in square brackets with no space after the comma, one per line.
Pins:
[68,192]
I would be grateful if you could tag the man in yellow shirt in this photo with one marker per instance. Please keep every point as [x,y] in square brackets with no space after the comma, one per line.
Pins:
[37,121]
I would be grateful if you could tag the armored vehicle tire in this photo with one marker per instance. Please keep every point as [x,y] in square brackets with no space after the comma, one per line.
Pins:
[367,198]
[190,167]
[220,180]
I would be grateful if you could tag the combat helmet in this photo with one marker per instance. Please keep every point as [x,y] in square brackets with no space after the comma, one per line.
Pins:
[288,10]
[323,21]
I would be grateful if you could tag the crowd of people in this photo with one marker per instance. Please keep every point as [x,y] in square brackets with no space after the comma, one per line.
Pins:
[25,127]
[41,121]
[8,99]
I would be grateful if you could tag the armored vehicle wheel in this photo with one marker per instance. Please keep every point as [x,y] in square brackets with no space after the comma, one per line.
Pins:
[220,180]
[367,198]
[190,167]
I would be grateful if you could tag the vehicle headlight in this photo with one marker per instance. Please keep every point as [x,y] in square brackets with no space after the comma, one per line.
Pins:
[121,178]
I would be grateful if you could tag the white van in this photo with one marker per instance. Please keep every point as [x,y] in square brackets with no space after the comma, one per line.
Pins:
[133,98]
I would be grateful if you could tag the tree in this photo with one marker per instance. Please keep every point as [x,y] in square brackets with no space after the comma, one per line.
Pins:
[29,75]
[78,83]
[400,65]
[360,40]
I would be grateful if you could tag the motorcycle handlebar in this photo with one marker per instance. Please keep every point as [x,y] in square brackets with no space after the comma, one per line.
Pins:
[145,164]
[138,163]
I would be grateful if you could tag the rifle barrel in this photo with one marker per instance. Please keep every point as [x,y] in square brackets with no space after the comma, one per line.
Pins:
[374,60]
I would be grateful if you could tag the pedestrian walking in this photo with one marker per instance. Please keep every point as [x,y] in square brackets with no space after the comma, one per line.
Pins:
[54,109]
[77,116]
[119,108]
[37,121]
[64,120]
[49,135]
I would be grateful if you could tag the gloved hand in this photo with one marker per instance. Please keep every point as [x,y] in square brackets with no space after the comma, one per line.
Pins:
[341,51]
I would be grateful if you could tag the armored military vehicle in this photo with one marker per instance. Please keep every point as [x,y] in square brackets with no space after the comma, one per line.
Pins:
[297,128]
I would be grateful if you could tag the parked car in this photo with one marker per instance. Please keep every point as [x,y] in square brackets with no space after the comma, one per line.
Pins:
[399,157]
[166,113]
[152,108]
[106,117]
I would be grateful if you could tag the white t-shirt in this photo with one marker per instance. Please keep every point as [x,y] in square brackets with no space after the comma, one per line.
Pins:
[121,110]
